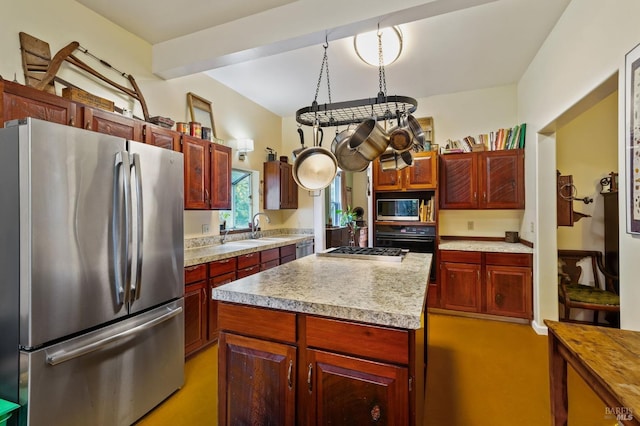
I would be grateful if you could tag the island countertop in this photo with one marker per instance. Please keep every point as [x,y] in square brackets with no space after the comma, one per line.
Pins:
[371,291]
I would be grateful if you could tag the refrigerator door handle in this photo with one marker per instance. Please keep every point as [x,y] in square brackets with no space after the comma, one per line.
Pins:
[135,288]
[63,355]
[121,192]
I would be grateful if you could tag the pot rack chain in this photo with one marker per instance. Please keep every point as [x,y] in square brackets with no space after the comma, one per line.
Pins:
[356,111]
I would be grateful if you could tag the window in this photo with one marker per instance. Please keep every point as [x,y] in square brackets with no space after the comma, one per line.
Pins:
[335,199]
[241,201]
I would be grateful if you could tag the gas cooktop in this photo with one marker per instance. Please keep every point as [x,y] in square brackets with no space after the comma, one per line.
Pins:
[371,253]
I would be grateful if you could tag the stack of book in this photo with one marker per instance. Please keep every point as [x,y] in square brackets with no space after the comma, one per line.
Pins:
[513,138]
[427,210]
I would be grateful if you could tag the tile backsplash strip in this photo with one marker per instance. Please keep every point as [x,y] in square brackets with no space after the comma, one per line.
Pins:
[211,240]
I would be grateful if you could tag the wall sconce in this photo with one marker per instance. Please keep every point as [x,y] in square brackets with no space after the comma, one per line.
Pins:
[243,146]
[367,48]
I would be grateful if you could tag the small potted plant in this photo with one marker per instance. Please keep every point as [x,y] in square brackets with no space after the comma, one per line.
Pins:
[348,219]
[223,220]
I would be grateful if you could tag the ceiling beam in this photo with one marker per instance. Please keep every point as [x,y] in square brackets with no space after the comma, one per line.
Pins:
[293,26]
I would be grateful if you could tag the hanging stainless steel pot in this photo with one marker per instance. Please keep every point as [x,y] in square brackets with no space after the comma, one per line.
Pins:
[314,168]
[400,139]
[349,160]
[416,130]
[392,160]
[369,139]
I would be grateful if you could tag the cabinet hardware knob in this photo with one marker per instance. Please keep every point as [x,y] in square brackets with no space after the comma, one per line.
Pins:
[309,377]
[376,413]
[499,299]
[289,373]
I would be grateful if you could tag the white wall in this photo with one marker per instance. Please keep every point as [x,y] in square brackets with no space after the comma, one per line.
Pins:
[59,22]
[586,47]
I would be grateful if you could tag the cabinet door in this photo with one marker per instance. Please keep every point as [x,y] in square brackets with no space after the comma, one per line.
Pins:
[458,181]
[385,180]
[162,137]
[509,291]
[112,124]
[213,329]
[351,391]
[195,316]
[20,102]
[288,187]
[196,173]
[461,286]
[502,179]
[220,177]
[423,172]
[257,382]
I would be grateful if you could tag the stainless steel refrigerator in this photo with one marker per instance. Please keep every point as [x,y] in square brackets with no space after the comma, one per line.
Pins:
[92,282]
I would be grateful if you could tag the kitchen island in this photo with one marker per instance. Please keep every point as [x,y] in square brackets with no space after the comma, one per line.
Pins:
[324,340]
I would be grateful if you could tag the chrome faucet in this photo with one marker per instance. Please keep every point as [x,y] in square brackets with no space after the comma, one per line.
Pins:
[255,226]
[223,238]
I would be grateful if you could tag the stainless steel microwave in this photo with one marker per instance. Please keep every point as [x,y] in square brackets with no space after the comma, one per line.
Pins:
[398,209]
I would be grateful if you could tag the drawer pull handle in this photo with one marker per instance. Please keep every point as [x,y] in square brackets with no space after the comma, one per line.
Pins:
[376,413]
[289,374]
[309,377]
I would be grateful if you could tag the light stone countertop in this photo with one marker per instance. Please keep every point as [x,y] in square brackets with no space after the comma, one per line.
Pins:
[490,246]
[196,256]
[371,291]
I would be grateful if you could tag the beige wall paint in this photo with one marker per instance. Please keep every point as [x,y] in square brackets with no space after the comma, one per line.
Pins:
[585,48]
[587,149]
[59,22]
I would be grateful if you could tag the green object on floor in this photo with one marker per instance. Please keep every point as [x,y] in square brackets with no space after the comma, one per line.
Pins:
[6,408]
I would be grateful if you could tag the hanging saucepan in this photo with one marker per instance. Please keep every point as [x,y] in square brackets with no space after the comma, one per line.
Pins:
[400,137]
[392,160]
[349,160]
[416,131]
[369,139]
[315,167]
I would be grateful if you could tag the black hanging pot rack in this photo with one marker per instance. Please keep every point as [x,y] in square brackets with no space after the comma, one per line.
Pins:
[381,107]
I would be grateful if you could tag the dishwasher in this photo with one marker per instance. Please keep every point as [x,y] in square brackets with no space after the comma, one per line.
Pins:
[304,248]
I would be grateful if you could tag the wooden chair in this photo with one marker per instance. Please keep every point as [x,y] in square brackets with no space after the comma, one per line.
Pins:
[572,294]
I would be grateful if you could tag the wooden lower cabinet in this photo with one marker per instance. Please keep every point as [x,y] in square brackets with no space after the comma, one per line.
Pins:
[339,372]
[489,283]
[195,316]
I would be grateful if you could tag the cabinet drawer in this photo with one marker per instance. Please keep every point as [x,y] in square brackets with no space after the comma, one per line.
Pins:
[269,255]
[248,271]
[509,259]
[223,279]
[460,256]
[223,266]
[270,264]
[289,250]
[195,273]
[258,322]
[369,341]
[248,259]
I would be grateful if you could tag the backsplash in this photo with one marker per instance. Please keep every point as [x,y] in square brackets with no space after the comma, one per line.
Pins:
[211,240]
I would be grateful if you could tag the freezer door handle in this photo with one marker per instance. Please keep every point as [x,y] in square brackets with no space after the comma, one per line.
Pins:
[63,355]
[137,177]
[121,238]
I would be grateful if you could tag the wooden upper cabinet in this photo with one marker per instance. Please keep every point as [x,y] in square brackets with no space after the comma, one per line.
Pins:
[280,189]
[207,174]
[196,173]
[112,124]
[19,101]
[220,176]
[502,181]
[422,174]
[160,136]
[484,180]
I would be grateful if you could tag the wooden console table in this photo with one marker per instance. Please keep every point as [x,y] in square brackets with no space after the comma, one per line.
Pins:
[607,359]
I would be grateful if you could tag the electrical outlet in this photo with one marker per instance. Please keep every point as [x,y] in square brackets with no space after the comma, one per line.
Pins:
[530,226]
[205,228]
[470,225]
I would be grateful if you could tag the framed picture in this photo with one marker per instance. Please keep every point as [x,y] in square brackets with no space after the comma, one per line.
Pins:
[632,138]
[201,112]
